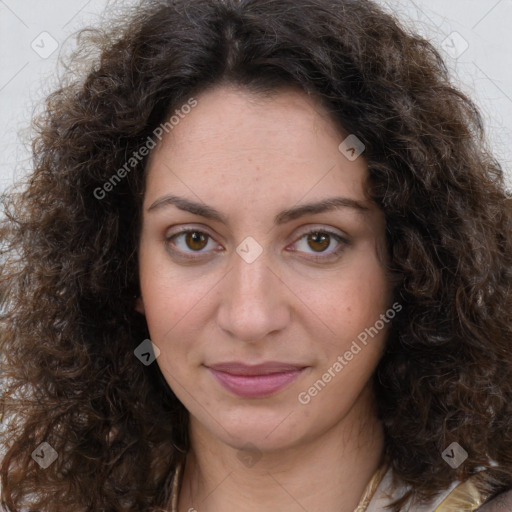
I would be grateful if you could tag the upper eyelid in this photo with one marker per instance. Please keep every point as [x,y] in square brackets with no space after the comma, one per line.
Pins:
[307,229]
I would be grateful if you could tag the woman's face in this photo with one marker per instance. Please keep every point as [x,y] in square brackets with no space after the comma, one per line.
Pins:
[268,313]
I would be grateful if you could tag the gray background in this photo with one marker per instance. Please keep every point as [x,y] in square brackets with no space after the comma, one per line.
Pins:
[474,36]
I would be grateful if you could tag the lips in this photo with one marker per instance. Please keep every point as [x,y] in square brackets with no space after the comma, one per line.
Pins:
[235,368]
[255,381]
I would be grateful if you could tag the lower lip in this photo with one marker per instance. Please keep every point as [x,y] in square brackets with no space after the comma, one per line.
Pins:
[256,386]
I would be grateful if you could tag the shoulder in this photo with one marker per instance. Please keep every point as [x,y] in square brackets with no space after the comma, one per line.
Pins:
[461,496]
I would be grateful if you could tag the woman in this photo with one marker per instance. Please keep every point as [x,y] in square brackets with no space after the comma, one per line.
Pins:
[263,262]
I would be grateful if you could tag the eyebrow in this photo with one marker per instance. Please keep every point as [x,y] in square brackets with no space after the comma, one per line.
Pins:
[203,210]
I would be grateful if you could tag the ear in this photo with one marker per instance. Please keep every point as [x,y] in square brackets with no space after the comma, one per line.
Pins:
[139,306]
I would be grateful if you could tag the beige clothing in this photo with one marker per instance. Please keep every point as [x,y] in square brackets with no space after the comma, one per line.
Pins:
[459,497]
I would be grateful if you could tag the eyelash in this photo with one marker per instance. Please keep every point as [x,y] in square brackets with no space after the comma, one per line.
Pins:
[343,242]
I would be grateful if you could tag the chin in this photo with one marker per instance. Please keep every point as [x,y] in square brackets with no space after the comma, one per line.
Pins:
[266,430]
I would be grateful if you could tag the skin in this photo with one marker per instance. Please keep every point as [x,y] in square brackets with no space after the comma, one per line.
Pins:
[250,158]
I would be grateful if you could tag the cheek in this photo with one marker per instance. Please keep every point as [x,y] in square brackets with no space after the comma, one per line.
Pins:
[351,299]
[366,297]
[170,294]
[352,309]
[166,302]
[173,319]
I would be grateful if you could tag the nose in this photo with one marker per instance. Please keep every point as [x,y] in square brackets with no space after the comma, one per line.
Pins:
[254,301]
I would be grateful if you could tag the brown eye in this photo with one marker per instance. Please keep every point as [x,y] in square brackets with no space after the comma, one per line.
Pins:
[319,241]
[189,243]
[196,240]
[321,244]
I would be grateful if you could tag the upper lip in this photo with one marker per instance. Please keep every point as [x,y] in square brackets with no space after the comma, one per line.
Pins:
[237,368]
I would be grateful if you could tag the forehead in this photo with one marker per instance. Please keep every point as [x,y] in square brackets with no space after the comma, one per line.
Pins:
[259,148]
[250,117]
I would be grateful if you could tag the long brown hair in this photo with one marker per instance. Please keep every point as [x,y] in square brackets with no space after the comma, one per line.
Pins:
[69,258]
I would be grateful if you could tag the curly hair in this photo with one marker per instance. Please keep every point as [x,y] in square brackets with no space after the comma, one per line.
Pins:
[69,259]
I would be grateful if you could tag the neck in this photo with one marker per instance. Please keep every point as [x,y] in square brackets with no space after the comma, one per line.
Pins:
[326,473]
